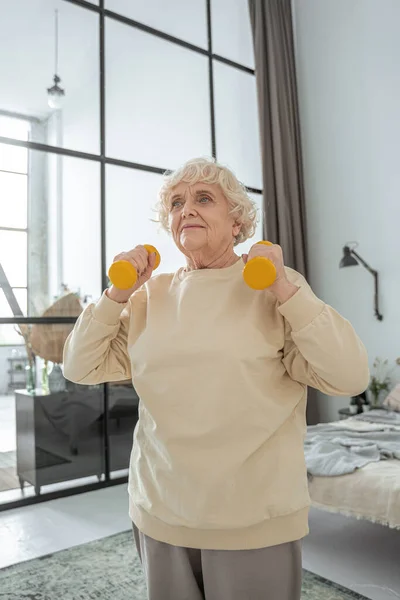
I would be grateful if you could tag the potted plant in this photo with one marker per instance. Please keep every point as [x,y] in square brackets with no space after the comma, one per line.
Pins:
[30,369]
[380,382]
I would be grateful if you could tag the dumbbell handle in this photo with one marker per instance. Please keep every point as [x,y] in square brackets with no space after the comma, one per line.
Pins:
[123,274]
[259,272]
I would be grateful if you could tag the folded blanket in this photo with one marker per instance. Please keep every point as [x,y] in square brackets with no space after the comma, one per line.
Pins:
[380,416]
[331,450]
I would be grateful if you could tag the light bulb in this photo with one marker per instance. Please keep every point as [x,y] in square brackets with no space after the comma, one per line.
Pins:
[55,101]
[55,94]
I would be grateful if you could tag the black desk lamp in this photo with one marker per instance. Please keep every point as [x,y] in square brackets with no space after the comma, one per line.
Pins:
[352,259]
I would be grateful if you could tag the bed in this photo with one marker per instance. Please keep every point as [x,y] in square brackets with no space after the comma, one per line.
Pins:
[371,492]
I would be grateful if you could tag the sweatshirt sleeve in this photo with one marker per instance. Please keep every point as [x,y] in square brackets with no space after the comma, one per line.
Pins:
[321,348]
[96,349]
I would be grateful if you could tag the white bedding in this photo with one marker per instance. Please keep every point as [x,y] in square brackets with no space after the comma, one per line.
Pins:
[372,492]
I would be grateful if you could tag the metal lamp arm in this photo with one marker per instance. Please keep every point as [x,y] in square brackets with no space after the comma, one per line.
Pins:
[378,315]
[362,261]
[375,274]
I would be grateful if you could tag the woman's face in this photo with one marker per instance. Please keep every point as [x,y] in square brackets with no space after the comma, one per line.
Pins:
[199,219]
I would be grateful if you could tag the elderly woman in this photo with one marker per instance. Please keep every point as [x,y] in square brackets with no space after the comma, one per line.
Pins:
[218,482]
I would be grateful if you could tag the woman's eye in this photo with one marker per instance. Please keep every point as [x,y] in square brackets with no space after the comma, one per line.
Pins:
[204,199]
[176,203]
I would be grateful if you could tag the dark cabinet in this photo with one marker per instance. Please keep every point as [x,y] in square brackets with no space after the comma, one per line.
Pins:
[60,436]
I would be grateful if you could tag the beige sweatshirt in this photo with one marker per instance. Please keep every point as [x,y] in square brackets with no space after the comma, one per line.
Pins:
[221,371]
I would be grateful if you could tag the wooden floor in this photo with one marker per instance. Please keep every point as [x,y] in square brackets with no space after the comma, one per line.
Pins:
[8,479]
[8,474]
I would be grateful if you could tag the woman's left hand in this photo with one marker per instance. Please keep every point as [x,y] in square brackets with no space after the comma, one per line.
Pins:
[282,288]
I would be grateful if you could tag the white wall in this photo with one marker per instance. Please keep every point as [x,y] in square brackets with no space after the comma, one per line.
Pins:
[349,92]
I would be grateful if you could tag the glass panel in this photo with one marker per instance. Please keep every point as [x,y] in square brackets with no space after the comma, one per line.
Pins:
[12,158]
[123,405]
[5,308]
[15,128]
[183,19]
[21,295]
[231,31]
[13,256]
[8,335]
[157,107]
[51,431]
[131,197]
[21,299]
[81,243]
[236,118]
[30,25]
[13,200]
[258,236]
[60,257]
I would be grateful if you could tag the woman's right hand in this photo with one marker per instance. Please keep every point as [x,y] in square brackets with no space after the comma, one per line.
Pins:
[143,262]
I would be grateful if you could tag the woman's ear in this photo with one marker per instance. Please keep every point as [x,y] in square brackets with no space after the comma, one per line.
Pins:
[236,229]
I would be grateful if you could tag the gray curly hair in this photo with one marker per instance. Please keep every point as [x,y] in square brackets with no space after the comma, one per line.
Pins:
[207,170]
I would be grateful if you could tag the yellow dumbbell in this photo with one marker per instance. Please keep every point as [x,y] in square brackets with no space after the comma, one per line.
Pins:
[259,272]
[123,274]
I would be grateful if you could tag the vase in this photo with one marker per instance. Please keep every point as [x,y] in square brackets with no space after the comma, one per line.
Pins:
[377,399]
[30,377]
[44,376]
[56,379]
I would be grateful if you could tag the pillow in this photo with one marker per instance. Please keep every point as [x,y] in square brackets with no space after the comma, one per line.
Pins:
[392,401]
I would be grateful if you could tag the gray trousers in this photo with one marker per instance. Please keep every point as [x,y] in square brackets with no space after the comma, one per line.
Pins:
[175,573]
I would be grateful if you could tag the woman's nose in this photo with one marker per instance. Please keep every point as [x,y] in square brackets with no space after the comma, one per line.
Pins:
[189,209]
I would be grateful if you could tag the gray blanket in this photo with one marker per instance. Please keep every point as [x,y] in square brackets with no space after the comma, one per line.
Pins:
[380,416]
[331,450]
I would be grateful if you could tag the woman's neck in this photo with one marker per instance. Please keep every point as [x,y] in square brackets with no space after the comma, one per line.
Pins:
[200,260]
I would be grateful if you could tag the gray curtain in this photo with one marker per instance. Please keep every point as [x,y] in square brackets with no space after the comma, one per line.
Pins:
[284,203]
[284,206]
